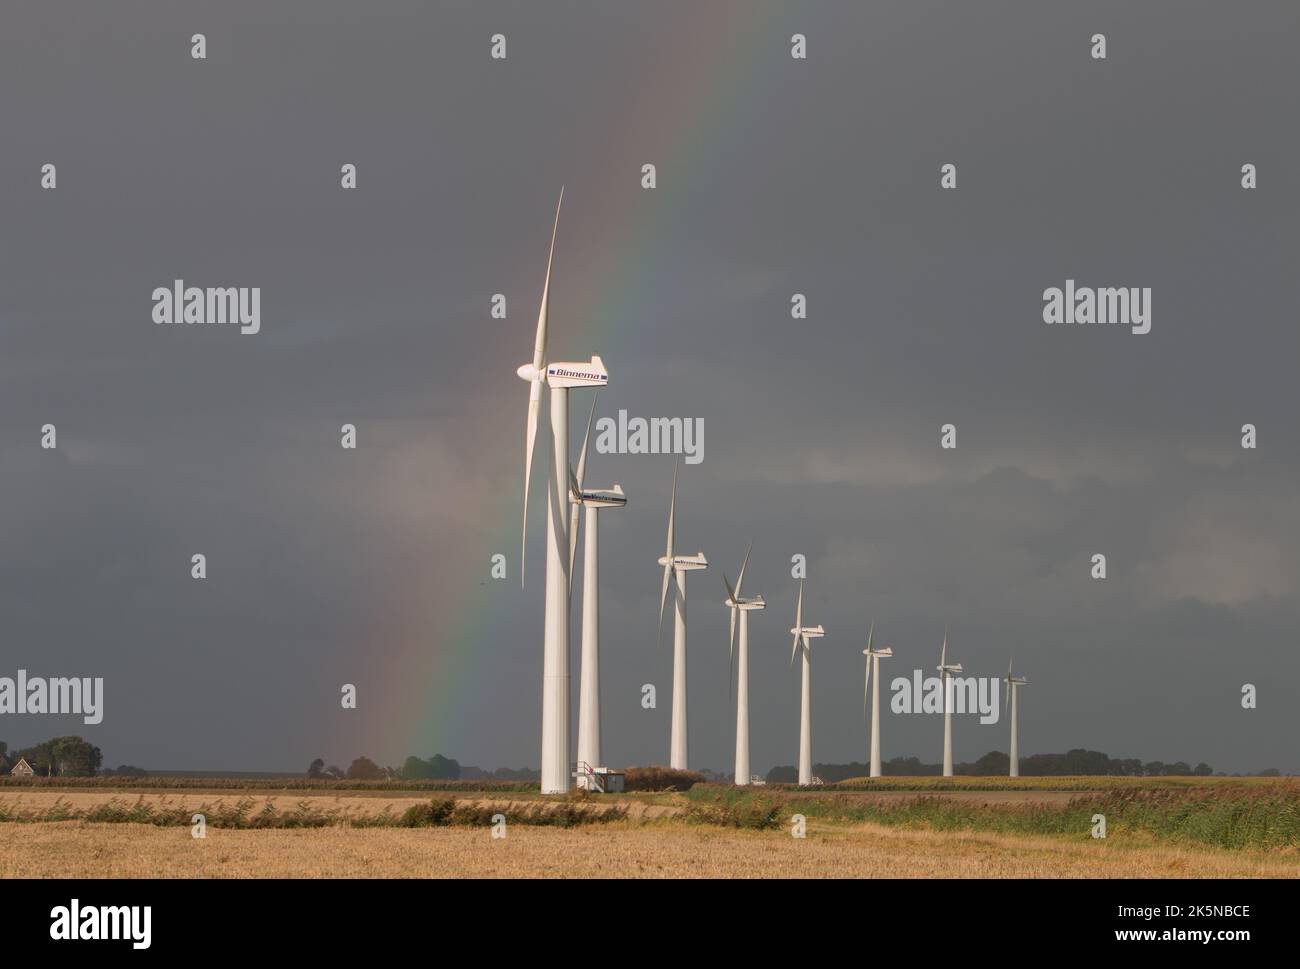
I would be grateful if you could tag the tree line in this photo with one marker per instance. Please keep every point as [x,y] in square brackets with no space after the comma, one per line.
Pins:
[413,768]
[1077,762]
[67,756]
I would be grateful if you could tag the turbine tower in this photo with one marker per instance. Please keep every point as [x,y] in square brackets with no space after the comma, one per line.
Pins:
[946,671]
[873,662]
[677,565]
[559,378]
[1014,683]
[744,606]
[801,635]
[590,502]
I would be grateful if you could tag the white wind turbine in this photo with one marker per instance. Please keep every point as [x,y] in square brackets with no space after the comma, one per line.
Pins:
[1014,683]
[559,378]
[946,671]
[677,565]
[801,635]
[591,502]
[873,663]
[737,603]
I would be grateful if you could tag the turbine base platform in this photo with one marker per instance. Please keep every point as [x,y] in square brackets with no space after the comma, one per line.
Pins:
[599,780]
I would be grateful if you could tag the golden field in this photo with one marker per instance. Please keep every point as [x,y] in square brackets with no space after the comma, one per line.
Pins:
[623,849]
[903,827]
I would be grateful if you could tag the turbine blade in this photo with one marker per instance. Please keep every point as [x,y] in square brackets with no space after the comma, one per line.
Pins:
[582,455]
[672,514]
[866,685]
[530,441]
[798,625]
[663,601]
[1006,697]
[740,579]
[535,391]
[667,554]
[871,633]
[539,347]
[575,524]
[731,679]
[943,656]
[731,656]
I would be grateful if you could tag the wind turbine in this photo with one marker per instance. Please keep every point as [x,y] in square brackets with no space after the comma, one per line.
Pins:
[1014,683]
[677,565]
[744,606]
[559,378]
[801,635]
[591,502]
[873,662]
[946,671]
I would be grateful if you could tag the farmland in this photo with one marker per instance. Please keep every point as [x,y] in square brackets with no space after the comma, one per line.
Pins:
[909,827]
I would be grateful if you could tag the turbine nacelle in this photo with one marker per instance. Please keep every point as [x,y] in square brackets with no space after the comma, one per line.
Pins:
[590,374]
[746,603]
[685,563]
[883,651]
[599,497]
[808,632]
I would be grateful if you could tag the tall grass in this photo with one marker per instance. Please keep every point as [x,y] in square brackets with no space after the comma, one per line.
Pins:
[1257,816]
[246,814]
[656,778]
[262,784]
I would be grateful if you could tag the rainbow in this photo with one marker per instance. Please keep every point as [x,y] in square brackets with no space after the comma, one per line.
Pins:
[438,678]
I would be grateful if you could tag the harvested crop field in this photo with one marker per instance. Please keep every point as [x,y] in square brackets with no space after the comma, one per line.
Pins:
[944,829]
[622,849]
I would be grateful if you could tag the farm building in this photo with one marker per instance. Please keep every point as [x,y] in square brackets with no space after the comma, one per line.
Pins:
[22,768]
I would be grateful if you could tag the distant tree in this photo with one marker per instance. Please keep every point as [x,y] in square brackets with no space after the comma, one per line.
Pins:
[317,768]
[71,756]
[783,775]
[995,762]
[516,774]
[1270,772]
[364,769]
[334,772]
[834,773]
[1203,770]
[415,769]
[127,770]
[443,768]
[909,767]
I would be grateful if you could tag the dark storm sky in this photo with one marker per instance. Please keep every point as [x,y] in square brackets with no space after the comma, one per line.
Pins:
[822,435]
